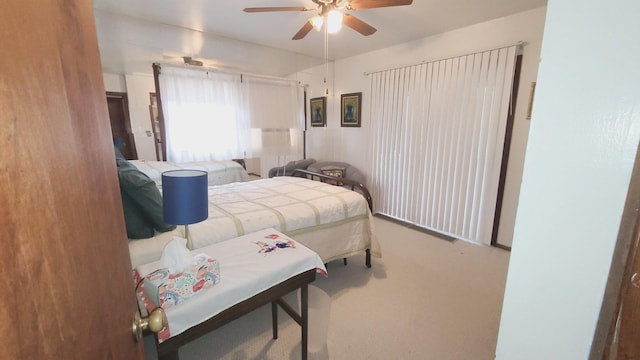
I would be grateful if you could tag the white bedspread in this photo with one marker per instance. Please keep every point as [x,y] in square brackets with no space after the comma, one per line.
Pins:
[285,203]
[332,221]
[219,172]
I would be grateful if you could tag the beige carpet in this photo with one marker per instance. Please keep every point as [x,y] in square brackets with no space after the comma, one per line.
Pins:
[426,298]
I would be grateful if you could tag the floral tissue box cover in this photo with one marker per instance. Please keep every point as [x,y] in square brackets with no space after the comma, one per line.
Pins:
[167,290]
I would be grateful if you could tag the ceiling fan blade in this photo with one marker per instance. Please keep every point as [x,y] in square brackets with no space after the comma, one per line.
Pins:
[303,31]
[370,4]
[276,8]
[358,25]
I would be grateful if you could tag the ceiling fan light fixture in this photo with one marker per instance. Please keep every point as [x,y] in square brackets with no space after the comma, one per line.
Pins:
[317,22]
[336,12]
[334,21]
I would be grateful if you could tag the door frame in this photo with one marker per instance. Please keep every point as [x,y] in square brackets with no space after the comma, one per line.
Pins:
[124,99]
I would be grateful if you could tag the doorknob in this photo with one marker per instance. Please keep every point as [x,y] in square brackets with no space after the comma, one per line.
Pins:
[154,322]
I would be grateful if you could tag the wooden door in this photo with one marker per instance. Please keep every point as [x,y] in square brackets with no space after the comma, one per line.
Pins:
[623,340]
[118,105]
[65,272]
[628,336]
[617,333]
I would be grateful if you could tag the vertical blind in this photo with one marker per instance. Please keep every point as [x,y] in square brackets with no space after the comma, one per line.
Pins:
[438,131]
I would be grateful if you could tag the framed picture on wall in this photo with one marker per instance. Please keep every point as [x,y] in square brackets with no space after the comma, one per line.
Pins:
[350,105]
[318,109]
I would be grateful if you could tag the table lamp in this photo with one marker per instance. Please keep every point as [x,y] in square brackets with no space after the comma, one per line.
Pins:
[184,199]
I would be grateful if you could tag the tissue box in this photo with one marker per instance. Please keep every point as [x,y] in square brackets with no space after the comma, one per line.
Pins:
[167,290]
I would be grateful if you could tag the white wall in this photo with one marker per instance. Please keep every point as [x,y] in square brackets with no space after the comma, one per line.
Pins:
[137,87]
[318,81]
[352,144]
[114,83]
[584,135]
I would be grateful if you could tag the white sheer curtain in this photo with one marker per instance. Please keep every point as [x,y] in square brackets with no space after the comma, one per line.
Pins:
[438,133]
[211,115]
[202,115]
[275,109]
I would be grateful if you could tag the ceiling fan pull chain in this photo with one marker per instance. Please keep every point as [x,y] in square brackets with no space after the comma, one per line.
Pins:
[326,59]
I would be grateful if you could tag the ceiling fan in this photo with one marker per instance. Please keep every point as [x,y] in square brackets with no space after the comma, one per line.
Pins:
[334,13]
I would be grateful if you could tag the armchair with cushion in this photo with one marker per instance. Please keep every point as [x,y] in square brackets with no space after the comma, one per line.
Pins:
[338,169]
[290,167]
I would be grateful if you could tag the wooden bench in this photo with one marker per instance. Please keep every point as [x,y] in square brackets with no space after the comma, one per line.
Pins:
[275,272]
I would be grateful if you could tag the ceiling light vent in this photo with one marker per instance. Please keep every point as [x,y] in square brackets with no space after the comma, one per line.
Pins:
[189,61]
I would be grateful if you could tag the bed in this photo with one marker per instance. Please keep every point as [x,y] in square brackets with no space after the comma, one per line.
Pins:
[219,172]
[334,221]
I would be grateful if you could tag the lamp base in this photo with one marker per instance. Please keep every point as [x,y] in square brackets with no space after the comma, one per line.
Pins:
[186,235]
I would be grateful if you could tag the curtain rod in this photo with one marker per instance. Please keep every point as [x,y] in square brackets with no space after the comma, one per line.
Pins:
[518,43]
[215,69]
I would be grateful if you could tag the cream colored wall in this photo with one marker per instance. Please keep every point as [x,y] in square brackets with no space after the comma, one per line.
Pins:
[352,144]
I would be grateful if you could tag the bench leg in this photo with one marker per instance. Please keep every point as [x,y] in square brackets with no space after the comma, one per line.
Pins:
[367,260]
[304,315]
[274,318]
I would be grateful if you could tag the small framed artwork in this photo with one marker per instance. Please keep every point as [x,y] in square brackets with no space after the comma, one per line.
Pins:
[318,107]
[350,105]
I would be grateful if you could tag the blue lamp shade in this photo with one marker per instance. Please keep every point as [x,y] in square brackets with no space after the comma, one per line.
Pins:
[184,196]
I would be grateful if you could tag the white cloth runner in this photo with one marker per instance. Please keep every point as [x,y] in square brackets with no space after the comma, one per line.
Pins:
[246,269]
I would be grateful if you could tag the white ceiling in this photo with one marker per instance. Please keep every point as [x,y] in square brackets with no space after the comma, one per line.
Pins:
[133,34]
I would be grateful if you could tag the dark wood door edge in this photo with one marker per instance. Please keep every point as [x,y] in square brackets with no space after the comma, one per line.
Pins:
[621,265]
